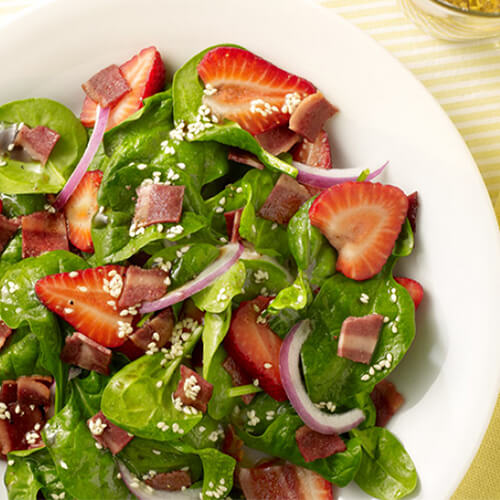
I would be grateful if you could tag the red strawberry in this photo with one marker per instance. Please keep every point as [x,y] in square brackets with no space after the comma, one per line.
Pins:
[284,482]
[87,300]
[145,74]
[414,289]
[315,154]
[362,220]
[255,347]
[249,90]
[80,209]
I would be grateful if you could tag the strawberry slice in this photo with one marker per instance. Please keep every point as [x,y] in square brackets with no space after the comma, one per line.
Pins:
[315,154]
[255,347]
[145,74]
[80,209]
[250,90]
[413,287]
[362,220]
[285,482]
[87,300]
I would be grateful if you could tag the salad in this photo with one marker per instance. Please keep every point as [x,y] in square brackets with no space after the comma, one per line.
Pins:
[193,302]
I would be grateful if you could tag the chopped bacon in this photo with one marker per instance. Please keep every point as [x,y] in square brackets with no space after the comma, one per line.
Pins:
[232,444]
[43,379]
[193,390]
[238,376]
[359,336]
[7,229]
[9,391]
[233,219]
[315,154]
[31,391]
[310,116]
[284,200]
[277,140]
[20,427]
[107,86]
[5,333]
[245,158]
[130,350]
[413,210]
[313,445]
[158,203]
[43,232]
[387,401]
[170,481]
[86,353]
[283,482]
[37,142]
[107,434]
[157,330]
[141,285]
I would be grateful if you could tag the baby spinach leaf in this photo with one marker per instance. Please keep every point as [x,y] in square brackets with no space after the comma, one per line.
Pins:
[31,472]
[217,297]
[88,393]
[19,305]
[113,243]
[220,404]
[151,381]
[275,434]
[332,378]
[218,469]
[188,96]
[311,250]
[208,433]
[296,296]
[386,470]
[143,455]
[13,253]
[268,237]
[187,261]
[21,355]
[15,205]
[405,242]
[214,330]
[263,277]
[86,472]
[30,177]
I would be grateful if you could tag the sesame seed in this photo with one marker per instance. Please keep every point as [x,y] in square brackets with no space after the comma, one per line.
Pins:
[393,298]
[63,464]
[389,357]
[365,377]
[267,366]
[10,462]
[386,319]
[73,274]
[371,371]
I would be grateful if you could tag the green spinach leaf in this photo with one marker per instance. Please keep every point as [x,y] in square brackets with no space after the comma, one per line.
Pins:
[31,472]
[330,377]
[387,471]
[311,250]
[30,177]
[214,330]
[13,253]
[15,205]
[274,434]
[150,380]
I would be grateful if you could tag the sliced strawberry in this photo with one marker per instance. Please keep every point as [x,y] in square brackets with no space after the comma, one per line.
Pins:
[284,482]
[250,90]
[87,300]
[362,220]
[315,154]
[255,347]
[145,74]
[80,209]
[414,289]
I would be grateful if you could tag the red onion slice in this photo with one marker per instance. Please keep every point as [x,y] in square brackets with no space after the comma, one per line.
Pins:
[85,160]
[144,492]
[229,255]
[313,417]
[323,178]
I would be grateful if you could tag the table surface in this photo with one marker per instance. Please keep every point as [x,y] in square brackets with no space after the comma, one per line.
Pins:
[465,79]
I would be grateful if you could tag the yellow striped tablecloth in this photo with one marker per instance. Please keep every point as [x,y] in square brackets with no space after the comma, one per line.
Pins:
[465,79]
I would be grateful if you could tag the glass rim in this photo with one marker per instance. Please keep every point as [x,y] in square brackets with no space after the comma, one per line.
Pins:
[458,10]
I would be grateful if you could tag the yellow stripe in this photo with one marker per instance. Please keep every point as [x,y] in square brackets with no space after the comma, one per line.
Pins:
[429,82]
[483,141]
[466,103]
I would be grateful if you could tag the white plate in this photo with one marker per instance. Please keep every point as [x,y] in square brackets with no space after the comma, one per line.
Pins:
[450,377]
